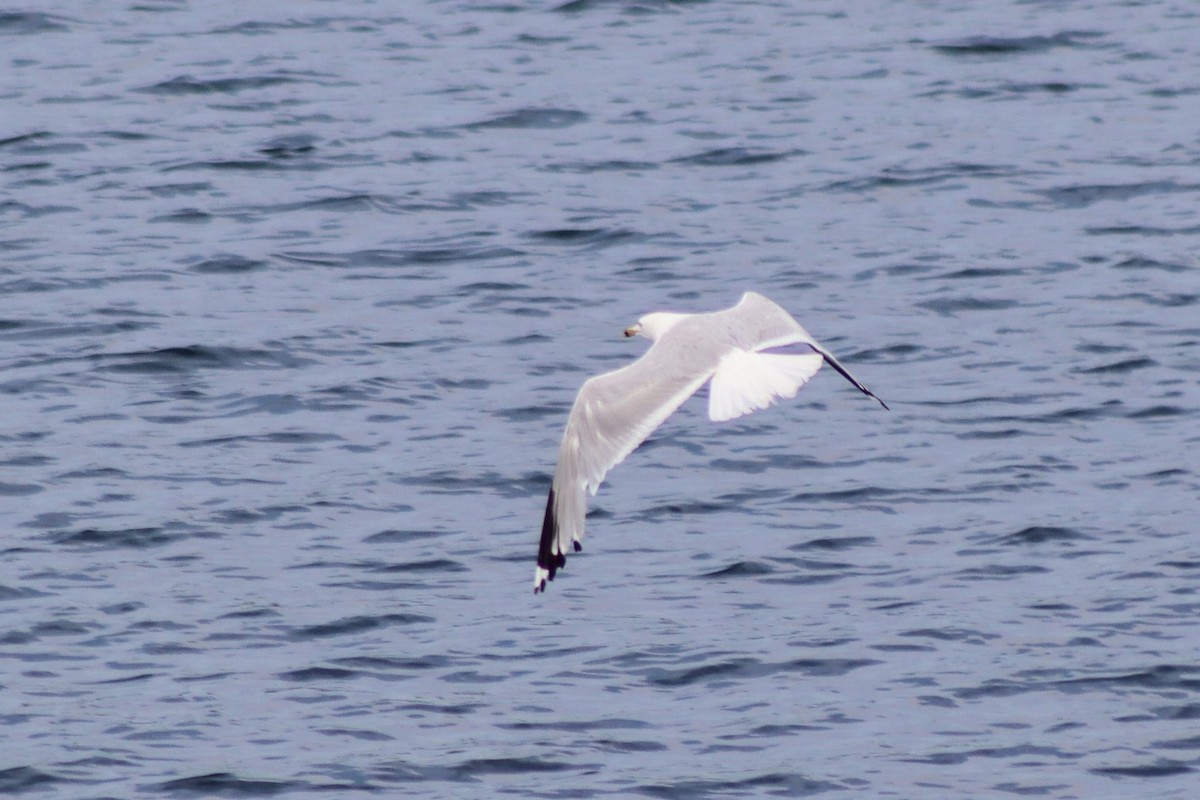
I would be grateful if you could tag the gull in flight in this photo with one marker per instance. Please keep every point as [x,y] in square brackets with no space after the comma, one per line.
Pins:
[750,355]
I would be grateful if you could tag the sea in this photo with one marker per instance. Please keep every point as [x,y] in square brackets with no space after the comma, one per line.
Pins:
[295,299]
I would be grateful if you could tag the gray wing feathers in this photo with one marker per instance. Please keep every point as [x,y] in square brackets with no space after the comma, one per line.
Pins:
[774,327]
[613,414]
[758,324]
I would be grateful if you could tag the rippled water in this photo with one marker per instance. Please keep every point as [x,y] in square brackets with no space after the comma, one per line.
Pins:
[295,301]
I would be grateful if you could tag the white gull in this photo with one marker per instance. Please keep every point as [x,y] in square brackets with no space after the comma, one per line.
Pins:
[617,411]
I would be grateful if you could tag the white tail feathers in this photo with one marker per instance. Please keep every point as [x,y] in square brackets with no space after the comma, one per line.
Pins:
[745,381]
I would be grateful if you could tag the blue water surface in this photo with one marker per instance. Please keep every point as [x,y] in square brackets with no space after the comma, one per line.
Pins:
[295,299]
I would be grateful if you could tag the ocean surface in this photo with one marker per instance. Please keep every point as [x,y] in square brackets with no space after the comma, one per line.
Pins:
[295,299]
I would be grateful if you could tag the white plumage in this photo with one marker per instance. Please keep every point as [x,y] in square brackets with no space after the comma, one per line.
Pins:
[617,411]
[747,381]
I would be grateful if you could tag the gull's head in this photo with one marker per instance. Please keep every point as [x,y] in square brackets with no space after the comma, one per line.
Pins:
[653,326]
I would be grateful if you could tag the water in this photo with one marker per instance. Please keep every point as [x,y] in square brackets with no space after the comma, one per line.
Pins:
[295,301]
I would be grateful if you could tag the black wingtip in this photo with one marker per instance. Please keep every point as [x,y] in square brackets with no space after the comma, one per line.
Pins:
[547,559]
[845,373]
[578,547]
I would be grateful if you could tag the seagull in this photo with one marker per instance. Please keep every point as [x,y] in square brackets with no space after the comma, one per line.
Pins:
[750,355]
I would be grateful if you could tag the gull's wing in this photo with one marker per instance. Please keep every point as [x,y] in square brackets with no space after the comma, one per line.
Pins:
[612,415]
[759,324]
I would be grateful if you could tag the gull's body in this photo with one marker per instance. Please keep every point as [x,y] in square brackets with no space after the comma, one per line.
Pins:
[617,411]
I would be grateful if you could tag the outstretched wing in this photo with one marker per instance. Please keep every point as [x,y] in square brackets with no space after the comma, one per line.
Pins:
[612,415]
[761,325]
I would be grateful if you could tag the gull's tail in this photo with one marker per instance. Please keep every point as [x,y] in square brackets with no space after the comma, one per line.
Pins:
[750,381]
